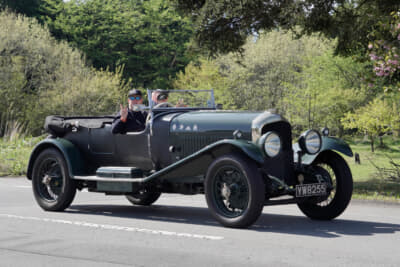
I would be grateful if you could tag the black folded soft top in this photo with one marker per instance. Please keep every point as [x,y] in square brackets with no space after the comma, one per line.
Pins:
[60,125]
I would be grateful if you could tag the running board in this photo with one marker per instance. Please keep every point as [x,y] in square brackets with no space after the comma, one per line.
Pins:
[109,179]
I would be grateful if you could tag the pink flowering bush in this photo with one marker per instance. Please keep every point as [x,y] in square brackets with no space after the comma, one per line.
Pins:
[384,51]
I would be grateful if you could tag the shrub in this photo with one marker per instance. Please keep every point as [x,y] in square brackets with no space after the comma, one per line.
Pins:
[40,76]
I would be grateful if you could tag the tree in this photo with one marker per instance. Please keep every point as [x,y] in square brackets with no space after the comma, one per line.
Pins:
[258,79]
[40,76]
[384,52]
[224,25]
[204,74]
[27,7]
[330,87]
[374,119]
[148,37]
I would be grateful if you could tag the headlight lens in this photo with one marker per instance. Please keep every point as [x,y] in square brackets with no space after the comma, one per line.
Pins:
[272,144]
[311,141]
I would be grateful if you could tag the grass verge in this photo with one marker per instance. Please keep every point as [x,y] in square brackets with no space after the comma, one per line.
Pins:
[368,183]
[14,155]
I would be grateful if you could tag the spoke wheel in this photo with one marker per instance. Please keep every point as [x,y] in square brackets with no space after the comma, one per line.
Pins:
[231,191]
[341,183]
[52,187]
[235,191]
[51,180]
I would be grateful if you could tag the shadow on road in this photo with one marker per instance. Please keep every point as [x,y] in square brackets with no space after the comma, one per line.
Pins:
[286,224]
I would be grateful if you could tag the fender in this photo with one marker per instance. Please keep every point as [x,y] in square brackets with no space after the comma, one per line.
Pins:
[72,155]
[328,143]
[198,162]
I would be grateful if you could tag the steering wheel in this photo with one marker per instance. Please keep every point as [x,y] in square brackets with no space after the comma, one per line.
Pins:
[163,105]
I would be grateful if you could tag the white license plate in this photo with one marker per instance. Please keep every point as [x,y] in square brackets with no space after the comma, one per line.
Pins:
[308,190]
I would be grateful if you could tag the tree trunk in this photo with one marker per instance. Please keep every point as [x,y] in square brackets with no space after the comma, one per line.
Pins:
[341,131]
[372,145]
[380,141]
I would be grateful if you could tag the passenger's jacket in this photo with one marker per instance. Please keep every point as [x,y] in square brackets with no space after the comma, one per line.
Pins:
[135,122]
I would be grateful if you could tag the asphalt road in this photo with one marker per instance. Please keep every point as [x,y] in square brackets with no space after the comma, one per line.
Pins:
[178,230]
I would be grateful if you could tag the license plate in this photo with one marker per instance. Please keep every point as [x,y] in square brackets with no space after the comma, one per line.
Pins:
[308,190]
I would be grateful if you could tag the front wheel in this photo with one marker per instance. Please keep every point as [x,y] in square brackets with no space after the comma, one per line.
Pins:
[342,187]
[52,187]
[235,191]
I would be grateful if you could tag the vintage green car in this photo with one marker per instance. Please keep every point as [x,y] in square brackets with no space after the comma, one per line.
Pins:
[241,161]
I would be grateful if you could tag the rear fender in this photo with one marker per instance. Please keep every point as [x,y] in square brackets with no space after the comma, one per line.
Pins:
[72,156]
[328,143]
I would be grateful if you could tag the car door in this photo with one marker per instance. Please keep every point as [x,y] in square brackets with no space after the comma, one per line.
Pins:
[132,149]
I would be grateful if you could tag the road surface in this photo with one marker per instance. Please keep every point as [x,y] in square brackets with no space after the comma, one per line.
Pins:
[178,230]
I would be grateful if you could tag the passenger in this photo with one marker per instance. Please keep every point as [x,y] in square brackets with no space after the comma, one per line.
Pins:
[159,96]
[131,118]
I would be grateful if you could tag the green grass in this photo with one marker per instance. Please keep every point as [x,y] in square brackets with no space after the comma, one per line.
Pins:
[368,183]
[14,155]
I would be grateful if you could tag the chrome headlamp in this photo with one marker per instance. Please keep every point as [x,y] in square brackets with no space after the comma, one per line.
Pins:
[310,142]
[271,143]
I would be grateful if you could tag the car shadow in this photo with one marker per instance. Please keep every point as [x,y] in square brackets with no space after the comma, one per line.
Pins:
[273,223]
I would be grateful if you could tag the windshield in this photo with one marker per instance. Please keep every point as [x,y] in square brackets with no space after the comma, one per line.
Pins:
[181,98]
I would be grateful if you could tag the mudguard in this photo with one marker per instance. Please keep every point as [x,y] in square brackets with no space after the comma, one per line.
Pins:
[328,143]
[72,156]
[198,162]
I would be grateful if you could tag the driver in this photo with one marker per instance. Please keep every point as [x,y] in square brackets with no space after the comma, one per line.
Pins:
[131,118]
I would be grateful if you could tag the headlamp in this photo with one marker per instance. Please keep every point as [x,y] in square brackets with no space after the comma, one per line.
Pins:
[271,143]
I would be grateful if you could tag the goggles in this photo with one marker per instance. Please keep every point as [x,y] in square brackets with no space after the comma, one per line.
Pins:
[135,97]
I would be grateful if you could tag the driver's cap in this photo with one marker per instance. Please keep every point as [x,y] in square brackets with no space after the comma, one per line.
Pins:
[134,92]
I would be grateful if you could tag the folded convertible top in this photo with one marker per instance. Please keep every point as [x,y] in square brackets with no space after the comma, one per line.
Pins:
[60,125]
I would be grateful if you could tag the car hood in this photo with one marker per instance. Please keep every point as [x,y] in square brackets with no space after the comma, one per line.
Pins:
[221,122]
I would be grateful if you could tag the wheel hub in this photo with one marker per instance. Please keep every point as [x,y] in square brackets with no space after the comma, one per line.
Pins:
[46,179]
[226,191]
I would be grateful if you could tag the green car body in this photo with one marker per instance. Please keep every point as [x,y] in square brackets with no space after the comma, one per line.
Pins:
[181,150]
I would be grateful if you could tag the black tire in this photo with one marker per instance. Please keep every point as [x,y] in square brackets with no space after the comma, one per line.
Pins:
[52,187]
[143,197]
[340,196]
[232,183]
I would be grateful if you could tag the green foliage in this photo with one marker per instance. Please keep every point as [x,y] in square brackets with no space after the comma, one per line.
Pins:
[148,37]
[374,119]
[204,74]
[223,26]
[300,78]
[40,76]
[27,7]
[256,80]
[330,87]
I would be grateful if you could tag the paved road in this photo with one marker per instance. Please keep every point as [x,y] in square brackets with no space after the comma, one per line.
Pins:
[101,230]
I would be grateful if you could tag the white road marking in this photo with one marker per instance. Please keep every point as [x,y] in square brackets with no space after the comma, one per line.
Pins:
[114,227]
[24,186]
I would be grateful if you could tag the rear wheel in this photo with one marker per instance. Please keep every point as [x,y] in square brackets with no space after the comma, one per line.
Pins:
[143,197]
[235,191]
[336,168]
[52,187]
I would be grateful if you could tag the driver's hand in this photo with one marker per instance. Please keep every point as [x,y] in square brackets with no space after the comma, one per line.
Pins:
[124,112]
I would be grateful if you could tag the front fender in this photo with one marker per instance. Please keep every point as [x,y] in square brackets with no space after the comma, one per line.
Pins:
[198,162]
[72,155]
[328,143]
